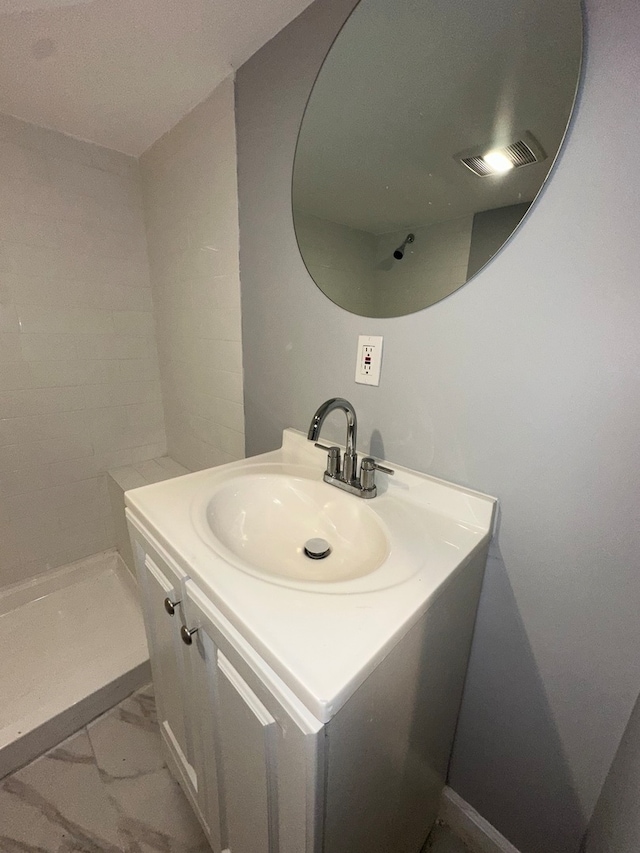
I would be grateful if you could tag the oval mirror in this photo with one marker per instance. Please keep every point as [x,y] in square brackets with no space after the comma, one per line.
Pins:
[430,129]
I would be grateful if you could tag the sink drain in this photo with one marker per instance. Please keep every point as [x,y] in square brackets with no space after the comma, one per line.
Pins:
[317,549]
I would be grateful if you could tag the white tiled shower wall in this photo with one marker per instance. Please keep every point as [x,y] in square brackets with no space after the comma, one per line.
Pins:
[191,209]
[80,384]
[79,378]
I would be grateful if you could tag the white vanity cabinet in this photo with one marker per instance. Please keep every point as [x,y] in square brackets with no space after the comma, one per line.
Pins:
[267,748]
[247,752]
[263,774]
[161,587]
[308,716]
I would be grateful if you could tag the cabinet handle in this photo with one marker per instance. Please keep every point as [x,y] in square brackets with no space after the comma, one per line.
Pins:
[187,634]
[170,606]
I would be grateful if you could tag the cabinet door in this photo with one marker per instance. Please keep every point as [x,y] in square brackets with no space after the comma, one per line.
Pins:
[267,747]
[158,583]
[248,746]
[201,705]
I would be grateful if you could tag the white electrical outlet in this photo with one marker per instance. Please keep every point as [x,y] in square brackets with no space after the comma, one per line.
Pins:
[369,359]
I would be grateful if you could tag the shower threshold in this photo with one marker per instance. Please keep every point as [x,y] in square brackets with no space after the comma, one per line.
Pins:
[73,645]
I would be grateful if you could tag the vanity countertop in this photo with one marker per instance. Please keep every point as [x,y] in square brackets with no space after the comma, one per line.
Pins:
[322,644]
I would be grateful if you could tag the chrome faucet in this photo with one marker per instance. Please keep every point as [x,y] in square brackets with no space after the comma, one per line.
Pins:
[350,466]
[345,476]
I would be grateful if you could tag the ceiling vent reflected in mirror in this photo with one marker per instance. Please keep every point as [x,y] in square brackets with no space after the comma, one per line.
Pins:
[497,161]
[408,90]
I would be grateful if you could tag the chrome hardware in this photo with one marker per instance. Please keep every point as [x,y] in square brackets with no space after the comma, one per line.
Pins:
[187,634]
[333,459]
[350,459]
[170,606]
[317,548]
[347,478]
[368,470]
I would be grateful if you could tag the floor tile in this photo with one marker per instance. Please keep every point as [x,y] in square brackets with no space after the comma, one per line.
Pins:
[58,803]
[153,813]
[155,816]
[105,790]
[126,740]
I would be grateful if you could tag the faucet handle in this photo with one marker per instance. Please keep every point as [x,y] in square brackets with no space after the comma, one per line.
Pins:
[370,464]
[333,461]
[367,473]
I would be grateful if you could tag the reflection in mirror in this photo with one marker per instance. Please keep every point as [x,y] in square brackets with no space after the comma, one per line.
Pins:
[430,129]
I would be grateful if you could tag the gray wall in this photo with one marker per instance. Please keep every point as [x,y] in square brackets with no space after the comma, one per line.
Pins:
[523,384]
[615,826]
[489,231]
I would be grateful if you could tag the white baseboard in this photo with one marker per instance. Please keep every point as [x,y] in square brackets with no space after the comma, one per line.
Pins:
[470,826]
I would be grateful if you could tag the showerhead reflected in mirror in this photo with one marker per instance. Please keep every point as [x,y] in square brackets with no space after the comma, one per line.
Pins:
[435,120]
[399,252]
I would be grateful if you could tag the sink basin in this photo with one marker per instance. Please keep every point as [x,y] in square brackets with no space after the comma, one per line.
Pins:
[236,535]
[258,514]
[264,518]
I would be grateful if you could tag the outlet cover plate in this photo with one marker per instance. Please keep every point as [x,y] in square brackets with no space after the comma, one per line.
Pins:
[369,359]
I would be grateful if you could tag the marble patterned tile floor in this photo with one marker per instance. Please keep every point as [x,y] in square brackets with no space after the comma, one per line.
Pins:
[107,790]
[104,790]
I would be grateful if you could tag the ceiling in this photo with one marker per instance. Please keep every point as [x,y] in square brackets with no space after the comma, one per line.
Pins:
[409,86]
[121,73]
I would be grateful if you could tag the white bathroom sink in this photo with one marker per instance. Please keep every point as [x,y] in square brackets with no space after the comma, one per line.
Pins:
[236,532]
[262,518]
[257,515]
